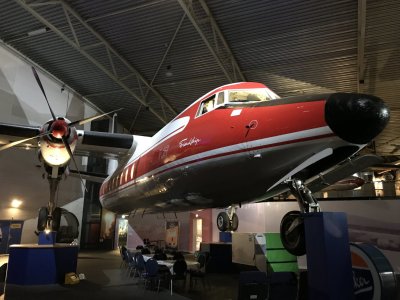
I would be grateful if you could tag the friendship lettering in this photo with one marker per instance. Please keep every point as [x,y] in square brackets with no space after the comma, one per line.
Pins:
[189,142]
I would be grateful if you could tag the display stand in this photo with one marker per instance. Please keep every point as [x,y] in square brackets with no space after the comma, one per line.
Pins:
[41,264]
[47,238]
[328,256]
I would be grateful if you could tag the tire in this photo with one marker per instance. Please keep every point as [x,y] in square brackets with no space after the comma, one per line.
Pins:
[234,222]
[294,241]
[42,218]
[55,223]
[223,221]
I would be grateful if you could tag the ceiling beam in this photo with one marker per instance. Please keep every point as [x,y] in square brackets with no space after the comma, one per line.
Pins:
[362,11]
[216,44]
[113,56]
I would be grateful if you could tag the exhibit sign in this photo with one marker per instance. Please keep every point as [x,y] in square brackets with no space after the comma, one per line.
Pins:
[373,276]
[10,234]
[172,235]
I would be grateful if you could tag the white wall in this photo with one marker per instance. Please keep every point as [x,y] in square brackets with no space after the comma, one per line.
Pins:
[152,226]
[22,102]
[371,221]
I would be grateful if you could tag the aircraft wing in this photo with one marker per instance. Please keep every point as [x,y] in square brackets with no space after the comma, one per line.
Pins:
[330,176]
[11,133]
[104,144]
[95,177]
[344,170]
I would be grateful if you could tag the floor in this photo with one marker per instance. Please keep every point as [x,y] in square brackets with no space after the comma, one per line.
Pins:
[106,280]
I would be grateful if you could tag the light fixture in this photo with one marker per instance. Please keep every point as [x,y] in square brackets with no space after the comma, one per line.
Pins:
[169,73]
[37,31]
[47,231]
[15,203]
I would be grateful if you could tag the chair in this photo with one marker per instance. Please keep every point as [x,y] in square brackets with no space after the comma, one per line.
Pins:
[200,273]
[179,268]
[151,275]
[123,252]
[131,263]
[140,267]
[253,285]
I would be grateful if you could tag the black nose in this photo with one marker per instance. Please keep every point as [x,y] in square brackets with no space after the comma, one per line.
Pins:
[356,118]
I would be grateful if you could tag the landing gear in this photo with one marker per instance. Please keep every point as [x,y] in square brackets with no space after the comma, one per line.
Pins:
[223,221]
[292,224]
[292,233]
[228,221]
[42,218]
[49,221]
[49,217]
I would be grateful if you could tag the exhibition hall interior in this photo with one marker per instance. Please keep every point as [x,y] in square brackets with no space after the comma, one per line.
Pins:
[200,149]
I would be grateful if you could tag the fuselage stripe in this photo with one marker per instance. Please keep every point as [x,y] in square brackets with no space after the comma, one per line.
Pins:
[204,158]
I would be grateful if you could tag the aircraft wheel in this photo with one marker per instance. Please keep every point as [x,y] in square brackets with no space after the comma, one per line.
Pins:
[223,221]
[42,218]
[234,222]
[56,219]
[293,234]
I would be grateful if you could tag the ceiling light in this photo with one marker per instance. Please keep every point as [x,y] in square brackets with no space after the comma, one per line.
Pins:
[169,73]
[38,31]
[16,203]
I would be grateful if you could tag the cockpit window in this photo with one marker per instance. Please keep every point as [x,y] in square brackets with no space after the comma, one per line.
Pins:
[220,98]
[235,96]
[206,106]
[253,95]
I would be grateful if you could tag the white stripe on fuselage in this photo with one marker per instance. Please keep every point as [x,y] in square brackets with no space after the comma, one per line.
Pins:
[234,148]
[171,129]
[246,145]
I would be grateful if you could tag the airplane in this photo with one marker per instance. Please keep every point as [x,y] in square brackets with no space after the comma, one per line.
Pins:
[239,143]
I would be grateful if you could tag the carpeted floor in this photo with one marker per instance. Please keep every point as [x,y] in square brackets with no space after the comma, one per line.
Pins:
[106,280]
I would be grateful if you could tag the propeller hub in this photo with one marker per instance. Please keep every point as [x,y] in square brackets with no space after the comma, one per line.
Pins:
[59,128]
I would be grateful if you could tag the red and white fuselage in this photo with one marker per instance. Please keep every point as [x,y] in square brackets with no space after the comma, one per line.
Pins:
[248,142]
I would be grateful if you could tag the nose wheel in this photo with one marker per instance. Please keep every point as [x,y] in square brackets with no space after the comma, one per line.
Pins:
[228,221]
[292,233]
[292,225]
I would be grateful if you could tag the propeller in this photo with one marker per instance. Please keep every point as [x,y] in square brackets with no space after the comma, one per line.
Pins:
[65,142]
[9,145]
[58,127]
[44,94]
[90,119]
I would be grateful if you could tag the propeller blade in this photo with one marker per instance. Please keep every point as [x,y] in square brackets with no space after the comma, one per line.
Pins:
[4,147]
[44,94]
[64,139]
[84,121]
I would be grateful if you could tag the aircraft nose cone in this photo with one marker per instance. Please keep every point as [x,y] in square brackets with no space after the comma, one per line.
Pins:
[356,118]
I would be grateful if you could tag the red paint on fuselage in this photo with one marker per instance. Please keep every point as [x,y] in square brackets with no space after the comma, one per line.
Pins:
[218,129]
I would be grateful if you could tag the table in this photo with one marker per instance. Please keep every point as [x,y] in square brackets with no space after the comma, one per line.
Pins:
[192,265]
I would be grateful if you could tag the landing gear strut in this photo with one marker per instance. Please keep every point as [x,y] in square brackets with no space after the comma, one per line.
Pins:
[228,220]
[49,217]
[292,224]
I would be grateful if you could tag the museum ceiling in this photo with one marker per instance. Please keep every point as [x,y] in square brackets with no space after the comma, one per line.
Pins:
[154,58]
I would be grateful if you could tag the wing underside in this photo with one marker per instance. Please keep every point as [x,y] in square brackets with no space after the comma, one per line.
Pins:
[329,177]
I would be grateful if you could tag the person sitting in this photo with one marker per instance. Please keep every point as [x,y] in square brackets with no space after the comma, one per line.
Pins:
[159,255]
[208,106]
[178,256]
